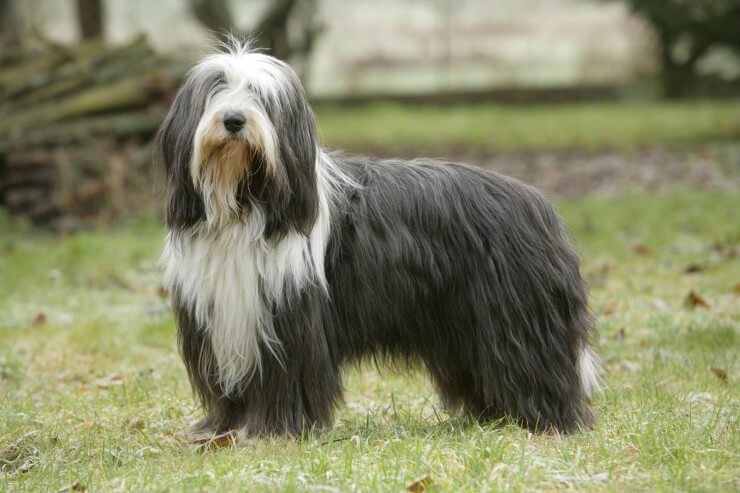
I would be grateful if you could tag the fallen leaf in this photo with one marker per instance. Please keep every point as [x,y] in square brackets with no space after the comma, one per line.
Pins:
[693,300]
[39,319]
[76,486]
[643,250]
[694,268]
[608,308]
[222,440]
[420,484]
[720,373]
[108,381]
[737,288]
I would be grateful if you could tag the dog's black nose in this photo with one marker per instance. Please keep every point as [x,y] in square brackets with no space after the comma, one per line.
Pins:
[234,122]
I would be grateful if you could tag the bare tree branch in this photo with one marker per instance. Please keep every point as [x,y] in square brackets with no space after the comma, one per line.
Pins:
[9,25]
[273,31]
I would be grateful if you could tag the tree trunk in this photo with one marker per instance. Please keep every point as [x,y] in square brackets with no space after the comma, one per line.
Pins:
[9,25]
[678,77]
[270,33]
[216,16]
[272,30]
[90,18]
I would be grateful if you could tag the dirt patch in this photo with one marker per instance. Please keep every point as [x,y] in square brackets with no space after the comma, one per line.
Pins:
[609,173]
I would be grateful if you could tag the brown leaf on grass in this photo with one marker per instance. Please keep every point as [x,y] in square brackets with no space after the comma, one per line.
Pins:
[39,319]
[737,288]
[608,308]
[694,268]
[420,484]
[720,373]
[76,486]
[214,441]
[643,250]
[108,381]
[694,300]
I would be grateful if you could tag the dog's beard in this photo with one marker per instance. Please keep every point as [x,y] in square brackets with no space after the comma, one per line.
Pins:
[221,167]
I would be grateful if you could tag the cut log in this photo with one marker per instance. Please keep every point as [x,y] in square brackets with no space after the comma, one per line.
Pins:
[20,73]
[117,127]
[131,93]
[95,66]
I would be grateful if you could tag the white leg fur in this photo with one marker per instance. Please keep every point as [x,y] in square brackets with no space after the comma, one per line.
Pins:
[589,370]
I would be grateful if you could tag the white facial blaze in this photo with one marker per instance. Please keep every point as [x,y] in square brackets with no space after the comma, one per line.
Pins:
[221,160]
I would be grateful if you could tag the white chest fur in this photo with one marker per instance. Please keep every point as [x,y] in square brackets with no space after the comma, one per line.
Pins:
[231,277]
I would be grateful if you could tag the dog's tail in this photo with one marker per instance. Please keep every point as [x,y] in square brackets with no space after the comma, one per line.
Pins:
[589,371]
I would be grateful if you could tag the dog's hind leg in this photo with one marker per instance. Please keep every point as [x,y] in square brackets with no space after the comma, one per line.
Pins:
[543,386]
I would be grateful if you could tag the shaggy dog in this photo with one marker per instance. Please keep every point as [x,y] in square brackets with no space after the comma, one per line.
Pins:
[285,262]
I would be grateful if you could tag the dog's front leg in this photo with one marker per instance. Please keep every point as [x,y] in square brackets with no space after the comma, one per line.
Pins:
[298,388]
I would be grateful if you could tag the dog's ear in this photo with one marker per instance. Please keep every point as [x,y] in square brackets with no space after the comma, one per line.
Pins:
[174,150]
[298,146]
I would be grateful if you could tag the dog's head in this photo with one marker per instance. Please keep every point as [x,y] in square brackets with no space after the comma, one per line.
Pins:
[240,139]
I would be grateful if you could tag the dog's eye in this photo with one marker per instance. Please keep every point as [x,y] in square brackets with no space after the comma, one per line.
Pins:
[219,84]
[250,88]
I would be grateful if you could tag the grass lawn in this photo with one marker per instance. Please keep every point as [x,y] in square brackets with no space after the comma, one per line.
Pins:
[92,389]
[485,128]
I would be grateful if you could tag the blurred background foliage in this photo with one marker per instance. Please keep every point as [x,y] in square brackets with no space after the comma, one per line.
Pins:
[500,83]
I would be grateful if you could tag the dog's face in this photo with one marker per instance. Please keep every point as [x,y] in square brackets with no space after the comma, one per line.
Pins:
[240,139]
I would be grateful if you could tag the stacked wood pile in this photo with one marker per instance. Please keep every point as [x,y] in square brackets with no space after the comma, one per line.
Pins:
[76,125]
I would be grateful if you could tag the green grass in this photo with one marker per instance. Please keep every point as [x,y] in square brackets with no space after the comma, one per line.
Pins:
[485,128]
[95,393]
